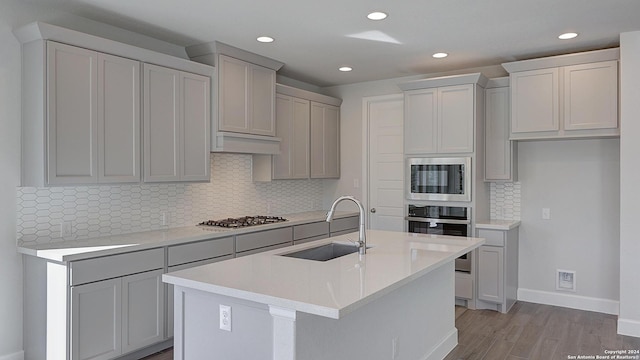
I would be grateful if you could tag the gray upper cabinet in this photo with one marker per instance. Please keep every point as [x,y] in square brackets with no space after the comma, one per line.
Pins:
[82,108]
[176,125]
[292,124]
[72,121]
[93,132]
[161,123]
[440,114]
[118,119]
[246,96]
[567,96]
[308,126]
[500,153]
[325,141]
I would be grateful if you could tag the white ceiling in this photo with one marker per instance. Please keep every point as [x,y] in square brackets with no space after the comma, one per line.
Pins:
[314,38]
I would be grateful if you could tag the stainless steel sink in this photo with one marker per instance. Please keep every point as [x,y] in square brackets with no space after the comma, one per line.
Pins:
[324,252]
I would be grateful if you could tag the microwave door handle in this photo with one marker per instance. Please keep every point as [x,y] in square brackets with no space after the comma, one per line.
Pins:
[437,221]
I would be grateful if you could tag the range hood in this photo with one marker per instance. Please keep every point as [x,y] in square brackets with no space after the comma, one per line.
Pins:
[226,141]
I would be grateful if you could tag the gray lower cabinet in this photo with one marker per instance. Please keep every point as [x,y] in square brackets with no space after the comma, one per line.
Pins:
[256,242]
[310,232]
[96,321]
[117,316]
[497,269]
[117,304]
[344,225]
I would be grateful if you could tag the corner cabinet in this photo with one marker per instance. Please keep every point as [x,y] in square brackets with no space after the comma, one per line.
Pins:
[308,126]
[176,125]
[500,153]
[568,96]
[440,114]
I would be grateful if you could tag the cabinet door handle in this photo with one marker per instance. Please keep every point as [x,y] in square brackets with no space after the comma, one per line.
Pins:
[373,210]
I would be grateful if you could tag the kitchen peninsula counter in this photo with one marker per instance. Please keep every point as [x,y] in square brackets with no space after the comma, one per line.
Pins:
[289,308]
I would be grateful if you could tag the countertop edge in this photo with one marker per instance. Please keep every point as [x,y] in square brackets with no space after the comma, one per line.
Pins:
[51,251]
[504,225]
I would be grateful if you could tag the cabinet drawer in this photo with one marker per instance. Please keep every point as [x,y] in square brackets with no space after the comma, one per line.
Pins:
[201,250]
[342,224]
[263,239]
[493,237]
[263,249]
[310,230]
[90,270]
[302,241]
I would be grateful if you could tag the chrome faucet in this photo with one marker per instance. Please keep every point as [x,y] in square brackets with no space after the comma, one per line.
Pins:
[362,238]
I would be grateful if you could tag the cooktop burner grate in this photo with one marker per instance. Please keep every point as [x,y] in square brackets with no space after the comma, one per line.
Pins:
[243,221]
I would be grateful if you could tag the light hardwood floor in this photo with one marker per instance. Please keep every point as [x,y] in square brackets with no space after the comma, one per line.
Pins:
[529,331]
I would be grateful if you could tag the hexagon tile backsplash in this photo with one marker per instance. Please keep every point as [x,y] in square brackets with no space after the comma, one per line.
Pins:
[504,199]
[119,209]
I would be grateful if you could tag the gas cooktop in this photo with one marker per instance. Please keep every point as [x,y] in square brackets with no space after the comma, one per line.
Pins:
[243,221]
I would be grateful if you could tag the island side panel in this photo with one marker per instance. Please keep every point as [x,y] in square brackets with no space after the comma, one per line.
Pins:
[420,315]
[198,334]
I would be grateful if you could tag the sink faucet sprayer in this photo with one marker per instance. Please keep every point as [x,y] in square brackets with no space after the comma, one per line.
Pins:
[362,239]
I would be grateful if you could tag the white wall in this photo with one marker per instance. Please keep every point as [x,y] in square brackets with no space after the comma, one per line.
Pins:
[579,181]
[10,261]
[629,320]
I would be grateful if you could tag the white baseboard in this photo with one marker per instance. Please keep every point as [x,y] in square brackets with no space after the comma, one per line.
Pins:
[15,356]
[444,347]
[605,306]
[629,327]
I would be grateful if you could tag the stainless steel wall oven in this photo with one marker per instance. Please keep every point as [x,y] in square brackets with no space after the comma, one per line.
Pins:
[442,220]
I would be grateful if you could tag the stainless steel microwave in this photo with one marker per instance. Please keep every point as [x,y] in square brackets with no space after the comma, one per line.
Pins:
[439,179]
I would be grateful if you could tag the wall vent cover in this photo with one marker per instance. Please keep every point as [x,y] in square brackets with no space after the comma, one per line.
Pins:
[565,280]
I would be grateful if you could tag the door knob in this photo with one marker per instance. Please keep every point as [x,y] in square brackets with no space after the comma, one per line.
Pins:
[373,210]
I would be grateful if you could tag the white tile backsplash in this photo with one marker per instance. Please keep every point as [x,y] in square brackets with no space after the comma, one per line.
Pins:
[119,209]
[505,200]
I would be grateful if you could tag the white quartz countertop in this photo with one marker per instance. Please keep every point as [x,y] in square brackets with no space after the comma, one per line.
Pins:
[504,225]
[64,251]
[332,288]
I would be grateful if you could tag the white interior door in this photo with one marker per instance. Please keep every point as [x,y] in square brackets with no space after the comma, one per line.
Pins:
[384,117]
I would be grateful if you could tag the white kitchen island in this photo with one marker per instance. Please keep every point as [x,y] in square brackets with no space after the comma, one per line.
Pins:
[395,302]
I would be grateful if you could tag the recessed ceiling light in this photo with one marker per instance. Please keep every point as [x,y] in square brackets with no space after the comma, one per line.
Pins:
[567,36]
[345,68]
[440,55]
[377,15]
[265,39]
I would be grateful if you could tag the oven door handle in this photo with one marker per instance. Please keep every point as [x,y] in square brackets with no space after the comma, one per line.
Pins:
[437,221]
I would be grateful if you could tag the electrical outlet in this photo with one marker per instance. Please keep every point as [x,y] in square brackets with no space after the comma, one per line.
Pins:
[395,348]
[165,219]
[269,207]
[66,229]
[225,317]
[546,213]
[356,183]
